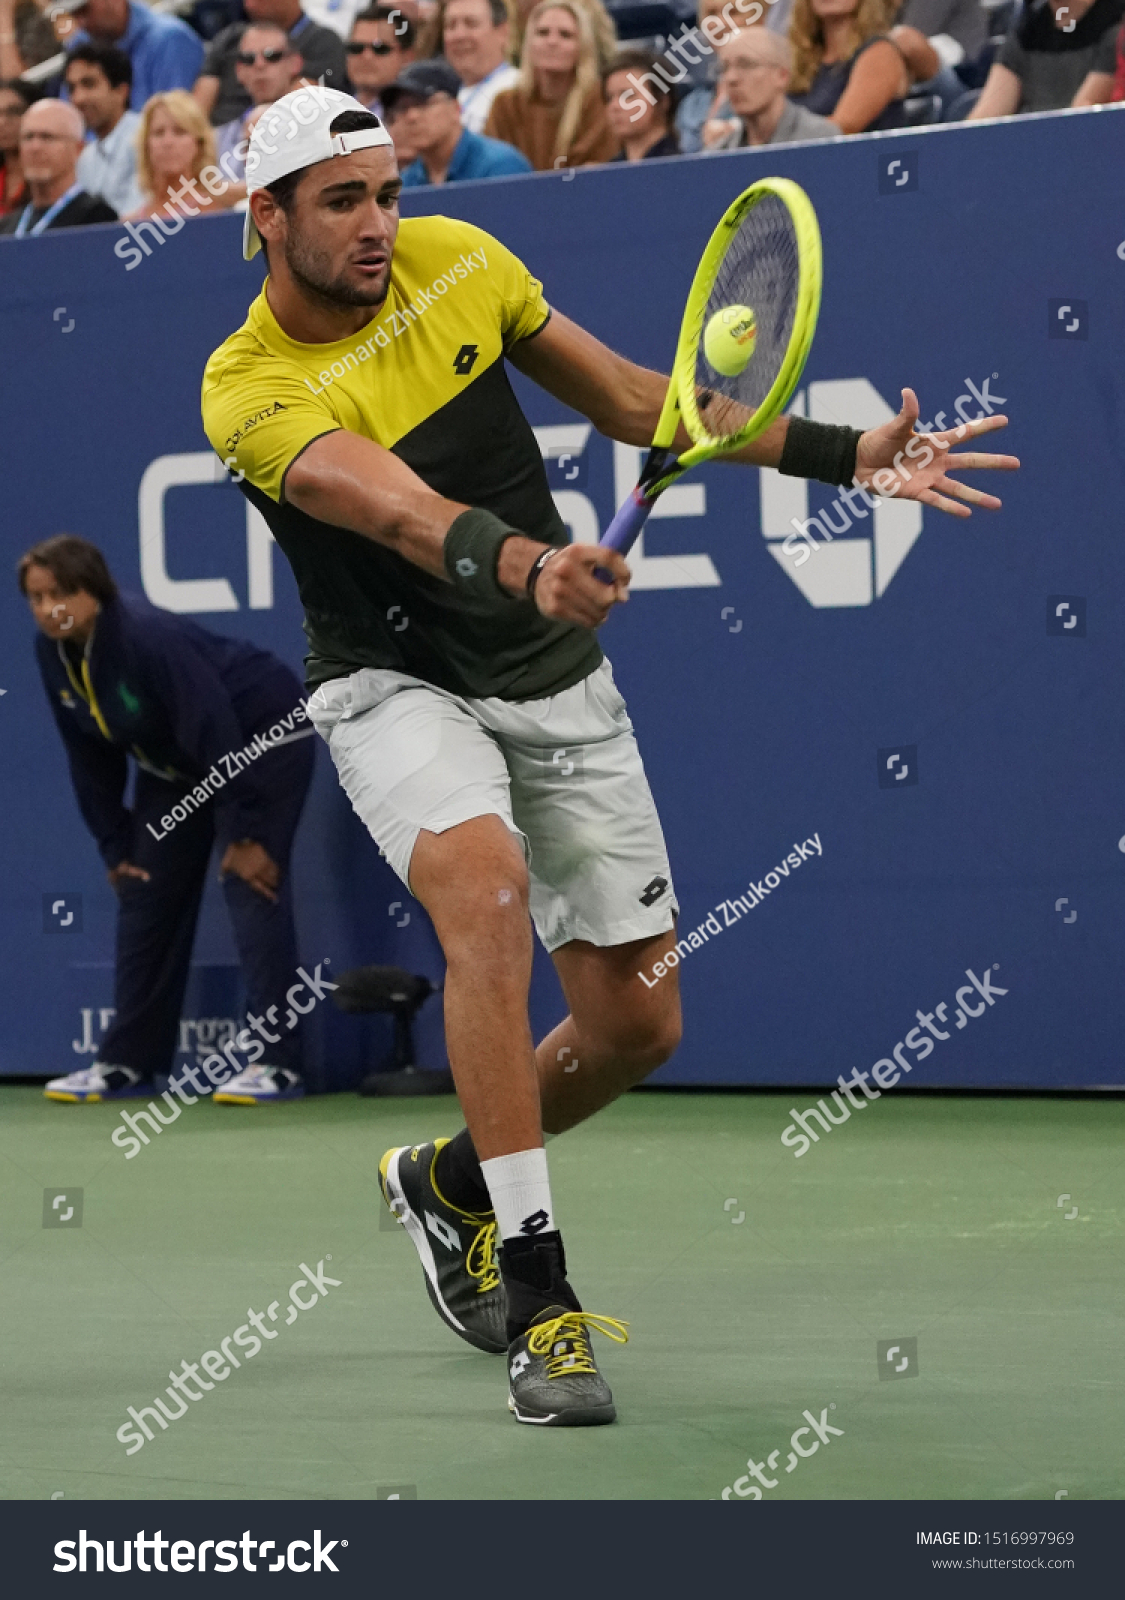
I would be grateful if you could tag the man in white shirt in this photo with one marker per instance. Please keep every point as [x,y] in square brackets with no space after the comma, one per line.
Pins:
[98,81]
[475,42]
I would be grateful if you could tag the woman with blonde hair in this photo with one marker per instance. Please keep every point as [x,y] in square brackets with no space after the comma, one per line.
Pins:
[846,65]
[555,113]
[601,24]
[175,156]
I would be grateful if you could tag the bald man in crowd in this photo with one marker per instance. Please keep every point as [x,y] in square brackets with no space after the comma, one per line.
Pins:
[51,136]
[755,66]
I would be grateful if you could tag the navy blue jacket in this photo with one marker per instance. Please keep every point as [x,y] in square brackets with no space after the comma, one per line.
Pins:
[175,697]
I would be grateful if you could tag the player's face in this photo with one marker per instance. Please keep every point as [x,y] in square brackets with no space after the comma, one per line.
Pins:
[554,42]
[340,232]
[59,615]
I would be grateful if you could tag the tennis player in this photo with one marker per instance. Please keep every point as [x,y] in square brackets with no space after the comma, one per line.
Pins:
[453,651]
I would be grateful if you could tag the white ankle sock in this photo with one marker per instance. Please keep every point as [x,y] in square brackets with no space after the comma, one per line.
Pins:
[521,1193]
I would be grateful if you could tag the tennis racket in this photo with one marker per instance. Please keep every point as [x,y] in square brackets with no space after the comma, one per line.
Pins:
[764,257]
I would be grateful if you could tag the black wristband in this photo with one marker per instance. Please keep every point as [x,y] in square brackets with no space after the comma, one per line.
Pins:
[472,550]
[819,450]
[537,567]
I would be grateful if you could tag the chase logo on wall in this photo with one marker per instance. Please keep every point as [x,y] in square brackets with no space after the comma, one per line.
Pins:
[847,553]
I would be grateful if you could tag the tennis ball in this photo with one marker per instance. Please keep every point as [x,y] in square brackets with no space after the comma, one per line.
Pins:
[729,339]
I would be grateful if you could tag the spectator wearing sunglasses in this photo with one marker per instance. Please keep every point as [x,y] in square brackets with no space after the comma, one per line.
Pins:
[218,87]
[268,65]
[381,45]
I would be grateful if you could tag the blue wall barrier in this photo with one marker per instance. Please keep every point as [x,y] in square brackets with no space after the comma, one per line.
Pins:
[935,703]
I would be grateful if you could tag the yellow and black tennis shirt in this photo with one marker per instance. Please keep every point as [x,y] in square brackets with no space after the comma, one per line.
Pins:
[425,378]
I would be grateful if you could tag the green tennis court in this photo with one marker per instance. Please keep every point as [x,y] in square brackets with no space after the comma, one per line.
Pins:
[757,1286]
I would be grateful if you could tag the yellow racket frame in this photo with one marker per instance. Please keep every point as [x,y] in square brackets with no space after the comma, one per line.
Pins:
[680,403]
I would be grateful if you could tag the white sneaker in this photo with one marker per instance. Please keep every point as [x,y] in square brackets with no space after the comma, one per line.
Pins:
[99,1082]
[257,1086]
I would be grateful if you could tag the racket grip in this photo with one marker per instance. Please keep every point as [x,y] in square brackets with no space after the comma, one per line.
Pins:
[625,528]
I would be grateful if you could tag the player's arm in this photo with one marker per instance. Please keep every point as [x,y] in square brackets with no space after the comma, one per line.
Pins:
[623,401]
[352,482]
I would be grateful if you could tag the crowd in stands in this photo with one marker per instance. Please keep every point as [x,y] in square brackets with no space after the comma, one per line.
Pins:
[117,109]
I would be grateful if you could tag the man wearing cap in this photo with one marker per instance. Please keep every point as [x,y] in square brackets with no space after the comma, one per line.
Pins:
[367,407]
[424,98]
[165,53]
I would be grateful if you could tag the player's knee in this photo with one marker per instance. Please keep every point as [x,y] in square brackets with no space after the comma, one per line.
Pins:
[648,1044]
[489,918]
[663,1040]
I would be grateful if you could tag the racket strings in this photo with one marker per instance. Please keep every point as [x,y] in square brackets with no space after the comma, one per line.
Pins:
[760,269]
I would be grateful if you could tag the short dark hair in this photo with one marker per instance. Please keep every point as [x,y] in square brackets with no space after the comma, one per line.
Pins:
[404,29]
[29,93]
[114,64]
[283,189]
[75,564]
[642,62]
[499,12]
[270,27]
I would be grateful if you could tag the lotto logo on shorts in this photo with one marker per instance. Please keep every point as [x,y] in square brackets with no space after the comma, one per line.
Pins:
[653,891]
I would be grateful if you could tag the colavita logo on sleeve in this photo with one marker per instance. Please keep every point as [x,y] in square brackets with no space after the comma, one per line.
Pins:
[252,422]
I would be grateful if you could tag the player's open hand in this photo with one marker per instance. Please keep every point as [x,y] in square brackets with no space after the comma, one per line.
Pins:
[897,463]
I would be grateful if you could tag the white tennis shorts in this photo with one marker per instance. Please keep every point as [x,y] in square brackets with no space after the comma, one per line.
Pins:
[564,774]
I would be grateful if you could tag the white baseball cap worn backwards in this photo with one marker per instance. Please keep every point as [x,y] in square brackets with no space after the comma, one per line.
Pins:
[293,134]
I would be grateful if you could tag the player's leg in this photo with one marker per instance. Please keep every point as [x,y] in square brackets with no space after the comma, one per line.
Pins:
[433,790]
[618,1029]
[155,930]
[266,936]
[600,890]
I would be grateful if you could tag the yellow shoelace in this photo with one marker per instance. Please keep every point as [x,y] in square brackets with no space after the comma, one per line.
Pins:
[481,1262]
[572,1353]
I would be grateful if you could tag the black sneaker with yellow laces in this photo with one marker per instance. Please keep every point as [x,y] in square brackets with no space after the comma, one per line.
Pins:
[457,1248]
[552,1375]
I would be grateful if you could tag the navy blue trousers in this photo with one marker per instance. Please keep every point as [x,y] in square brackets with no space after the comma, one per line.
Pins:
[156,920]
